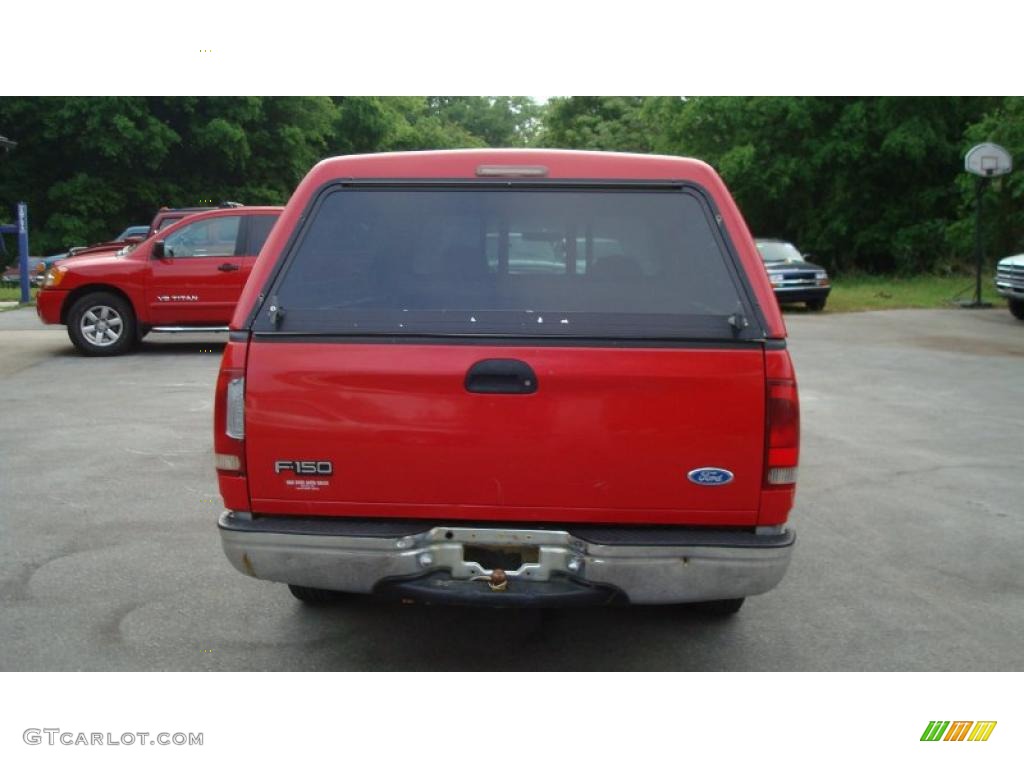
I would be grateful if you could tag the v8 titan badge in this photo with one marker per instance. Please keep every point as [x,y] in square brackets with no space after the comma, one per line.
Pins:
[184,297]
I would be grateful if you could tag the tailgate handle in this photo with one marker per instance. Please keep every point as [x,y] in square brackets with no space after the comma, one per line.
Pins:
[501,377]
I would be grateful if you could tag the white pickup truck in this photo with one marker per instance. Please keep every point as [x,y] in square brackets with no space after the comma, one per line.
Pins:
[1010,283]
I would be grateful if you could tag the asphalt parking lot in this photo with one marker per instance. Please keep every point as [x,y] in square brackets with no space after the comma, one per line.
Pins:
[910,520]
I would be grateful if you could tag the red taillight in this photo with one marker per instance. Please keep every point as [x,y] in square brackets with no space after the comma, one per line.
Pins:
[782,430]
[229,422]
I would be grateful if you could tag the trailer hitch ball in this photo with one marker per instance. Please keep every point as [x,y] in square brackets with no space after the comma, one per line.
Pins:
[498,581]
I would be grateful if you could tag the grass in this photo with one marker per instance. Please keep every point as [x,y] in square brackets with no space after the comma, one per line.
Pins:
[859,293]
[13,293]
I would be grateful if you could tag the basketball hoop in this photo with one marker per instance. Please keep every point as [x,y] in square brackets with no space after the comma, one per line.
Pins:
[985,161]
[988,160]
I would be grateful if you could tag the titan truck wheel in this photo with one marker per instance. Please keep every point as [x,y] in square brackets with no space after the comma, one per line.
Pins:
[102,324]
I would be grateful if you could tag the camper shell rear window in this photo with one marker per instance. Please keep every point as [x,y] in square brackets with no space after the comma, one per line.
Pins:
[508,259]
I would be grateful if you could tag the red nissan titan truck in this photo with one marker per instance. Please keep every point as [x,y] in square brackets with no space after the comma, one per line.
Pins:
[185,277]
[509,377]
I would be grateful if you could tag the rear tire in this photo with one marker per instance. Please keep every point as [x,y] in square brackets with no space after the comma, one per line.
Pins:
[1017,308]
[720,607]
[817,305]
[102,324]
[314,595]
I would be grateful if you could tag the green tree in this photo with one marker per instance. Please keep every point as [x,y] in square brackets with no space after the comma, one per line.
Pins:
[78,164]
[253,149]
[863,183]
[1004,196]
[615,123]
[361,125]
[89,166]
[395,123]
[500,121]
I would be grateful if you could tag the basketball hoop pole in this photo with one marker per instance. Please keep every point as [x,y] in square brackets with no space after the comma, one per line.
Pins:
[984,161]
[979,254]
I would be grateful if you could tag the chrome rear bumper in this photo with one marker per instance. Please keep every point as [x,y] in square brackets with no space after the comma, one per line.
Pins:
[650,565]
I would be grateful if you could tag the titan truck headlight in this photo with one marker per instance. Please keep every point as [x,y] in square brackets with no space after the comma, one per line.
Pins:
[54,276]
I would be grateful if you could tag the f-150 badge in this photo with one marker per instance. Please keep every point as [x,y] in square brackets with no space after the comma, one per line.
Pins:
[304,467]
[309,474]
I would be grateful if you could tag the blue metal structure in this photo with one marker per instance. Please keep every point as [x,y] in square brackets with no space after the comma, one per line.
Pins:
[20,228]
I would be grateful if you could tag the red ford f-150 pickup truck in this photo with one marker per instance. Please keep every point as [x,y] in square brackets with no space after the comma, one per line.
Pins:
[509,377]
[185,277]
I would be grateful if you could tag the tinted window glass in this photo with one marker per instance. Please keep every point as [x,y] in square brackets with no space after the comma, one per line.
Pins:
[259,228]
[166,222]
[549,262]
[775,252]
[209,237]
[133,232]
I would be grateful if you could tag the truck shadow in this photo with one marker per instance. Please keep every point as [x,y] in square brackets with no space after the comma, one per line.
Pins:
[149,349]
[180,347]
[800,309]
[385,636]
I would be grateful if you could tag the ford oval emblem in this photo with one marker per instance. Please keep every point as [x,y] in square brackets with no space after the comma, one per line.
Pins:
[710,476]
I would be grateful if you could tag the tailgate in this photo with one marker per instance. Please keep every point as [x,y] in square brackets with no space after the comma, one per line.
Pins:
[609,434]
